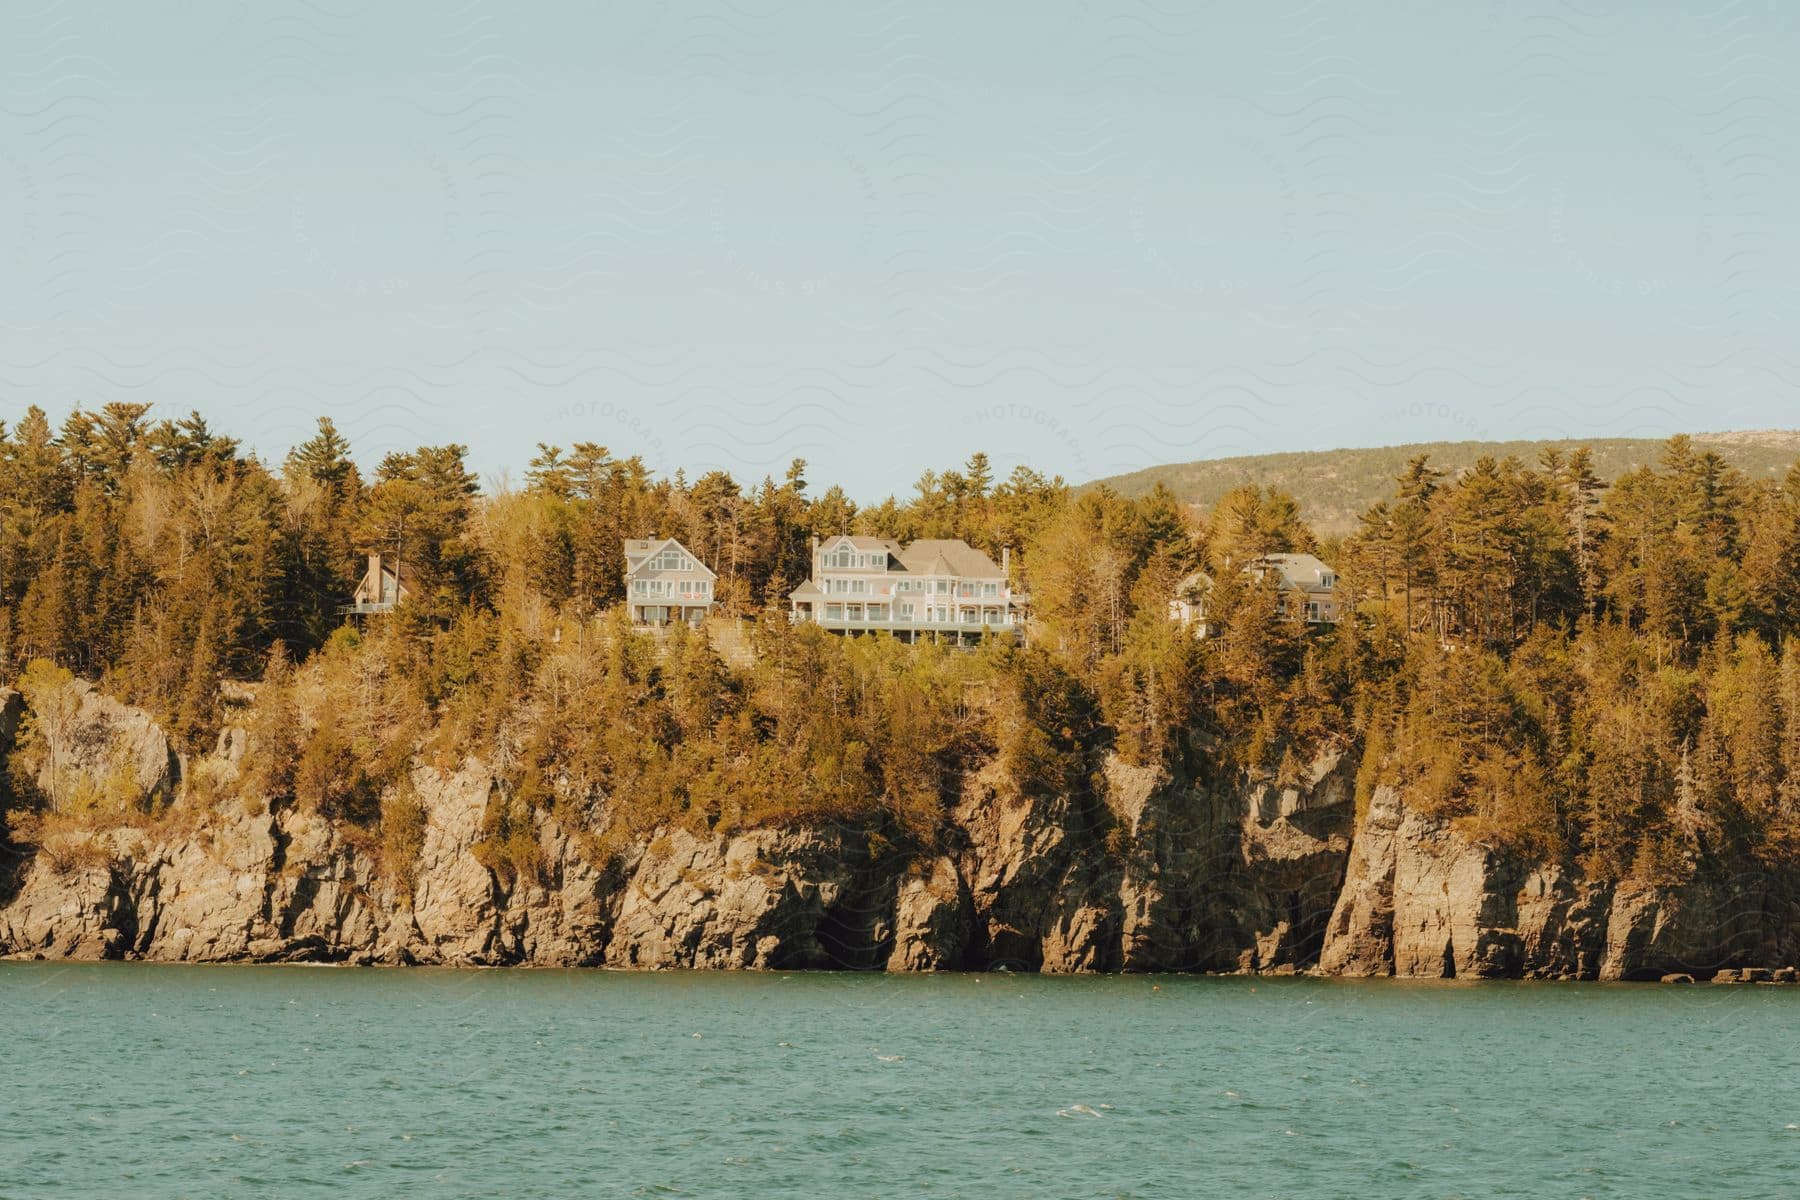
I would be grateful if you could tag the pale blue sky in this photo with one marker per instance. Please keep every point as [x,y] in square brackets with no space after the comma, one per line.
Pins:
[1092,237]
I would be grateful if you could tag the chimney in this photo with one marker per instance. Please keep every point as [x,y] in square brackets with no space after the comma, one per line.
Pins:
[1005,560]
[375,576]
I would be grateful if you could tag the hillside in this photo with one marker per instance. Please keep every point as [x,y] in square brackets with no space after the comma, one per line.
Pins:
[1334,486]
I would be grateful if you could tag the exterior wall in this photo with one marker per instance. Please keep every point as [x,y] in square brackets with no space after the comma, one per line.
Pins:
[378,591]
[877,592]
[666,584]
[1306,601]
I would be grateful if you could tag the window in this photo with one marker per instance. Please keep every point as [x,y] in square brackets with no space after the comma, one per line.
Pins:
[671,559]
[990,589]
[1327,579]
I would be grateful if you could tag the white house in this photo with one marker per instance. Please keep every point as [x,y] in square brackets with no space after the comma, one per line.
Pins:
[937,586]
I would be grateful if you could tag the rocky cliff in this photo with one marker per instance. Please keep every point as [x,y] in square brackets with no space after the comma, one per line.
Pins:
[1156,872]
[1420,899]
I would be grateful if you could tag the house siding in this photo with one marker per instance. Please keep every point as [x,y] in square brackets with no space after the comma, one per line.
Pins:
[870,585]
[665,583]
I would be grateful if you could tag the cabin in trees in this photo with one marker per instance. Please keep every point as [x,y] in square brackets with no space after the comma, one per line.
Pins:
[665,583]
[942,587]
[1306,590]
[384,586]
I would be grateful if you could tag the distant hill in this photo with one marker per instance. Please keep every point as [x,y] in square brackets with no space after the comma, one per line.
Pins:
[1335,486]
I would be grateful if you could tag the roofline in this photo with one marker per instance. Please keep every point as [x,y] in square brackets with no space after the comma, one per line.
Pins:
[659,547]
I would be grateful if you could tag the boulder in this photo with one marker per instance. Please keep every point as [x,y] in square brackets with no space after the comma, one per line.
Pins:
[108,752]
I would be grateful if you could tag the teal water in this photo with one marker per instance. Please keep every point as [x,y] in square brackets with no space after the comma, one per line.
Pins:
[136,1080]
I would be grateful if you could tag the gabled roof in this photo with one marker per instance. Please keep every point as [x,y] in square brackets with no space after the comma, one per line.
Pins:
[948,556]
[405,578]
[860,543]
[1302,571]
[807,591]
[639,551]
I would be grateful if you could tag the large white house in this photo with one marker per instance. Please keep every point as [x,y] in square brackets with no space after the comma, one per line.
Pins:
[942,587]
[666,583]
[1306,589]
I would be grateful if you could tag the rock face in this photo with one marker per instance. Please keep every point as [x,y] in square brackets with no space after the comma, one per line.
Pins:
[1153,872]
[933,920]
[1422,900]
[767,898]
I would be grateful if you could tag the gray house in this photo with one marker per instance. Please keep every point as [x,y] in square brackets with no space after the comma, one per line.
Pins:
[936,586]
[1306,591]
[666,583]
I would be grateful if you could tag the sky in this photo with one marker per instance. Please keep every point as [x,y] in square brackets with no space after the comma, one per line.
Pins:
[1090,237]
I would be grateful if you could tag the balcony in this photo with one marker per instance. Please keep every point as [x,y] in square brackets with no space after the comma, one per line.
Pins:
[908,625]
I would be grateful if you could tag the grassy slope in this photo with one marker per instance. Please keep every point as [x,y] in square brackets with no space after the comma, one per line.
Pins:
[1334,486]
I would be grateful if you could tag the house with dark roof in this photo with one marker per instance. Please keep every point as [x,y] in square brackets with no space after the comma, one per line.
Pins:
[666,583]
[942,587]
[384,586]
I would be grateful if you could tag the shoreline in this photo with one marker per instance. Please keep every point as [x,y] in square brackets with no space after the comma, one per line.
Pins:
[1780,978]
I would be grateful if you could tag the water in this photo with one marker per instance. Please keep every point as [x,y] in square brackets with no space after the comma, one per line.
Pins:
[137,1080]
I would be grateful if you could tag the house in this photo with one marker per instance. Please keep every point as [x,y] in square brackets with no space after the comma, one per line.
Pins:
[1306,587]
[666,583]
[1188,607]
[937,586]
[383,587]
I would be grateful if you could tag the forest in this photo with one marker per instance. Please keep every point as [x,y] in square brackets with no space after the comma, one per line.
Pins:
[1602,671]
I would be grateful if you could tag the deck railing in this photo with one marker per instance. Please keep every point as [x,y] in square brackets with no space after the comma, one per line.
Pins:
[908,624]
